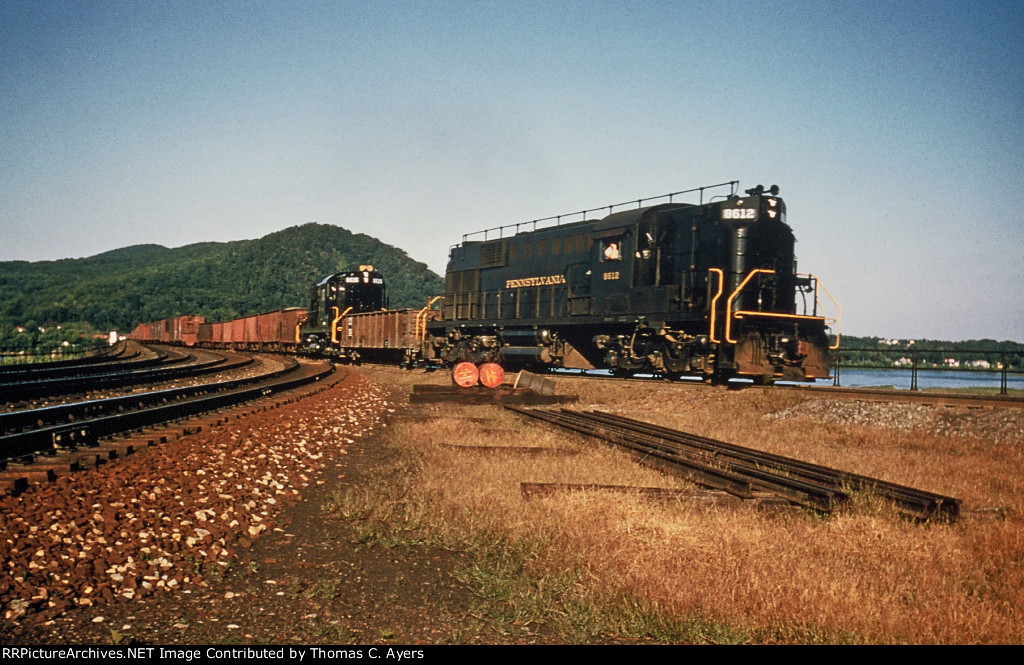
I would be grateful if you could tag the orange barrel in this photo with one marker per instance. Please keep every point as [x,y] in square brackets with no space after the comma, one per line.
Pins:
[491,375]
[465,374]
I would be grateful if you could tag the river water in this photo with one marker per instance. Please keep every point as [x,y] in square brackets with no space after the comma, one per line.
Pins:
[893,378]
[926,378]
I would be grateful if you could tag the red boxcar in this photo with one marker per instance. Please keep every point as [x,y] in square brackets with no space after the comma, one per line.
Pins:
[185,329]
[237,331]
[279,327]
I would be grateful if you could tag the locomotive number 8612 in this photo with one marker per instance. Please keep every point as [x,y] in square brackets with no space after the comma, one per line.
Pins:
[707,289]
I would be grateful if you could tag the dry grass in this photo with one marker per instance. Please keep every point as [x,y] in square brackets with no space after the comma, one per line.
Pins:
[618,565]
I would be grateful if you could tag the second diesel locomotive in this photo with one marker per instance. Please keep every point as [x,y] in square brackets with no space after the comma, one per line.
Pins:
[705,289]
[335,297]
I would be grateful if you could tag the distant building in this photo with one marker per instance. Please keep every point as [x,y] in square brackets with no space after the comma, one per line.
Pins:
[903,362]
[950,362]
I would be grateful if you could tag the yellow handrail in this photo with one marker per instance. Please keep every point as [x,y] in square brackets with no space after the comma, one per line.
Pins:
[728,303]
[334,323]
[838,311]
[421,327]
[740,314]
[714,302]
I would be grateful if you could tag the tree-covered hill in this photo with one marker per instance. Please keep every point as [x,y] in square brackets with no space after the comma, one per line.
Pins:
[965,354]
[118,289]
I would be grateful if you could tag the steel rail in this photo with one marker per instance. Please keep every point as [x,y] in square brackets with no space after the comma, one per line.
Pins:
[704,475]
[95,365]
[107,355]
[870,394]
[914,499]
[13,421]
[85,433]
[815,486]
[52,387]
[917,396]
[804,492]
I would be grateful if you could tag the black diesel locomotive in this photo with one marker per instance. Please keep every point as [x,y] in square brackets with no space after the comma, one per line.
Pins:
[707,289]
[336,297]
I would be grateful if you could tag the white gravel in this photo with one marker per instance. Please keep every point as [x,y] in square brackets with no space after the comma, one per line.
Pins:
[1002,426]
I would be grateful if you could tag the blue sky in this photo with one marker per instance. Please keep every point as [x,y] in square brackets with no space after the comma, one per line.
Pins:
[895,130]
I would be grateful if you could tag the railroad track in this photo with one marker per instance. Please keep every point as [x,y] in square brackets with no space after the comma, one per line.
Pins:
[131,356]
[745,472]
[165,365]
[26,435]
[119,352]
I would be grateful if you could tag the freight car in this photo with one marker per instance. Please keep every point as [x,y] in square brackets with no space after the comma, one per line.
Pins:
[705,289]
[346,320]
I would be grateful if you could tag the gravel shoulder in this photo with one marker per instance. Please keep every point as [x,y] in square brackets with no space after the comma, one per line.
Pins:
[304,579]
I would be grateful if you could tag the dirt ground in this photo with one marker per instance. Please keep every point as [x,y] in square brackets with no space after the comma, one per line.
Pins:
[317,577]
[308,581]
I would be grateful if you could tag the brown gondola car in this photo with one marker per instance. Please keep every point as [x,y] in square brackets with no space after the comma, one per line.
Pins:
[395,334]
[279,329]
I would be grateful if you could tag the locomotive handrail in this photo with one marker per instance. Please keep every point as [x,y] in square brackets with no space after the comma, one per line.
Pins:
[728,303]
[730,315]
[818,282]
[714,301]
[422,322]
[334,323]
[639,202]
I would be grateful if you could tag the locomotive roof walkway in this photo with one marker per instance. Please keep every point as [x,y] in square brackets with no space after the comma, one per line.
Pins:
[610,208]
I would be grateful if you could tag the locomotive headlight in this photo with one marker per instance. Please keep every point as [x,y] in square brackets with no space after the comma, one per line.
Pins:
[772,213]
[773,202]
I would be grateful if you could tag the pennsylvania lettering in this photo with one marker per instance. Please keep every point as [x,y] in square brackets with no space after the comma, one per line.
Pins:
[534,281]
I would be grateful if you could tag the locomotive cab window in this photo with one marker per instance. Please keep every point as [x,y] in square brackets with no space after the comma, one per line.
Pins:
[611,249]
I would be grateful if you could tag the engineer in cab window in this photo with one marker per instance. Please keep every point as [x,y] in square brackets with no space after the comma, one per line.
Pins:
[611,251]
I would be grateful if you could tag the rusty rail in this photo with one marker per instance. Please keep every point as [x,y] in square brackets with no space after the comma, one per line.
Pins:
[743,471]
